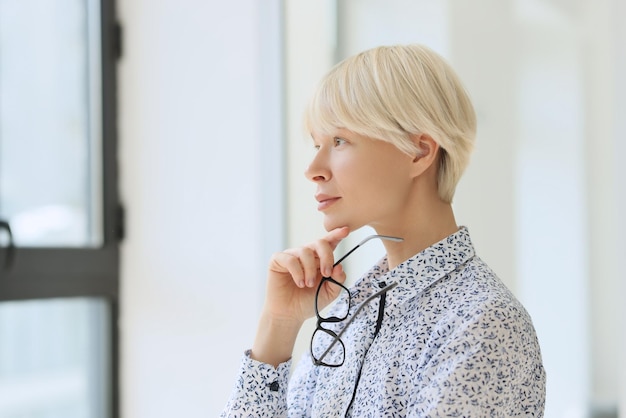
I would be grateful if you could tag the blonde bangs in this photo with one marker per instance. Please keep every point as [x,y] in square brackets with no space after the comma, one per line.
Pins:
[325,112]
[347,98]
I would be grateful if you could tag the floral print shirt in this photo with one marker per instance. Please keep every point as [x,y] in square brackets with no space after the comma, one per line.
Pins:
[454,342]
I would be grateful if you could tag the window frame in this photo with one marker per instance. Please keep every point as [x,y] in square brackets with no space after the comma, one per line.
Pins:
[42,272]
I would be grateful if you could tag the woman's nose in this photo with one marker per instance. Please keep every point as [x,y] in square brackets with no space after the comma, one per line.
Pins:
[318,170]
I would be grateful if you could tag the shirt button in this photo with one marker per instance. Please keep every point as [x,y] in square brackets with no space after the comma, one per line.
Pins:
[274,386]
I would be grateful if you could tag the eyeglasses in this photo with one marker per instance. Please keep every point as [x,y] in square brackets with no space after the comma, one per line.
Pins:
[324,341]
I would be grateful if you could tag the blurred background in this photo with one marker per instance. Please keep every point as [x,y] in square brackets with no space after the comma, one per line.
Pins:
[148,173]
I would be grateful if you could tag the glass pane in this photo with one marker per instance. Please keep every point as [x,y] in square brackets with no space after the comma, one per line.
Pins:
[50,118]
[52,358]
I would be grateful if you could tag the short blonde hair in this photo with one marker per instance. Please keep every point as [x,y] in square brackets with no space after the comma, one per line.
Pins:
[391,92]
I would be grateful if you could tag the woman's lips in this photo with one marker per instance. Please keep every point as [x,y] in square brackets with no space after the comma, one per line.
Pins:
[325,201]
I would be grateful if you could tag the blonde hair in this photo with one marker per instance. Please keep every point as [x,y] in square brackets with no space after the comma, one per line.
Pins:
[391,92]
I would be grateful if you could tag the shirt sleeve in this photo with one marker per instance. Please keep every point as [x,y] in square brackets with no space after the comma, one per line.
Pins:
[302,387]
[260,390]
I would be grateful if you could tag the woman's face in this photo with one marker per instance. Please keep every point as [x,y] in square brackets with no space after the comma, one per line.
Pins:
[360,181]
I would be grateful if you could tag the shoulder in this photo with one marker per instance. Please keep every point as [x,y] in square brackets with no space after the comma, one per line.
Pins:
[483,295]
[478,301]
[488,321]
[472,311]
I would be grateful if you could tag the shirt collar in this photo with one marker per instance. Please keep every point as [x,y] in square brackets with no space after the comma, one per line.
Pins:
[423,269]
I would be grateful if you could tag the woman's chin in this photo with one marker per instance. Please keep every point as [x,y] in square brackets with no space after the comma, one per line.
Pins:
[330,224]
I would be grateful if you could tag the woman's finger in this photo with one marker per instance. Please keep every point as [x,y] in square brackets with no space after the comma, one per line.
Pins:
[325,247]
[335,236]
[305,264]
[309,259]
[287,262]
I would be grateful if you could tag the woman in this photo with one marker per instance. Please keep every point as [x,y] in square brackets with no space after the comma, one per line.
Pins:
[429,330]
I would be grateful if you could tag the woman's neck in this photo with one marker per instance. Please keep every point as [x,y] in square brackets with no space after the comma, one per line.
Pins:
[428,227]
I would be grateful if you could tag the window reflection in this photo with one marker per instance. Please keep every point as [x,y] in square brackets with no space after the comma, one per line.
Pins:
[49,121]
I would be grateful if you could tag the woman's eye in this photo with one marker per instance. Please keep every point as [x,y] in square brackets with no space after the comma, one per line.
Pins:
[339,141]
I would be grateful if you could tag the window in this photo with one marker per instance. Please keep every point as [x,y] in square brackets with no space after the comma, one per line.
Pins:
[58,195]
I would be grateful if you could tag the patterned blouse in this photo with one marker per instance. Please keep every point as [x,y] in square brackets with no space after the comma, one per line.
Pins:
[454,342]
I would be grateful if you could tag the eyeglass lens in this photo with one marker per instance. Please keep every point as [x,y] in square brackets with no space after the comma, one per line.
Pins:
[326,346]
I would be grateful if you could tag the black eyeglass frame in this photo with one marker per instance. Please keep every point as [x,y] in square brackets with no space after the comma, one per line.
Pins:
[334,319]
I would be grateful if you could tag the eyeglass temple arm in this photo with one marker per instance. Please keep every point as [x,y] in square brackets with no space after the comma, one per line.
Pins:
[386,237]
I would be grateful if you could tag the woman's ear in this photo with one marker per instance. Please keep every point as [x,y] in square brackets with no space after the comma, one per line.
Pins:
[428,152]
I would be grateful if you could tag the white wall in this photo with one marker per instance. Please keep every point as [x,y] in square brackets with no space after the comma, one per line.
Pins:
[619,99]
[603,80]
[199,193]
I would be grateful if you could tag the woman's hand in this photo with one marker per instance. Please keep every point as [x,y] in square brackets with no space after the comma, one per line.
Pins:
[292,282]
[295,274]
